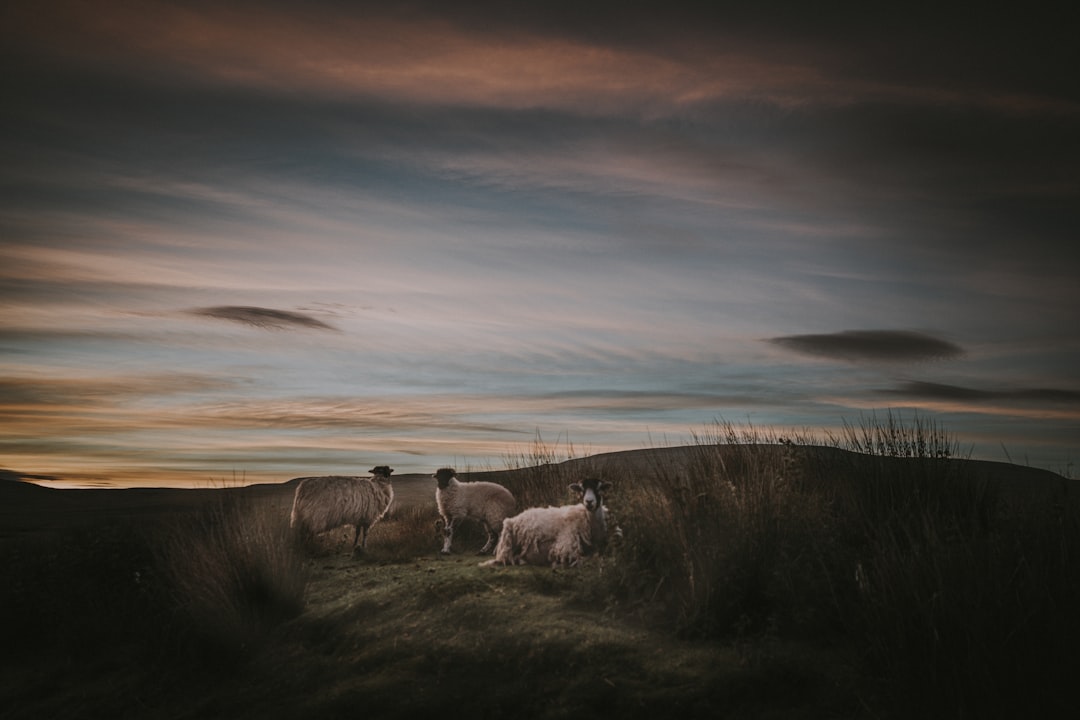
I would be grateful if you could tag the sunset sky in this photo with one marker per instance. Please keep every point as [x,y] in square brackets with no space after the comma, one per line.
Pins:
[261,240]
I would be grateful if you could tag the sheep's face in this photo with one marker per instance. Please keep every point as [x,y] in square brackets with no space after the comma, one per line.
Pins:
[591,492]
[444,476]
[382,471]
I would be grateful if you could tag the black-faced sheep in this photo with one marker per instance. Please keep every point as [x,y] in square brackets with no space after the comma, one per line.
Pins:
[557,535]
[487,502]
[325,503]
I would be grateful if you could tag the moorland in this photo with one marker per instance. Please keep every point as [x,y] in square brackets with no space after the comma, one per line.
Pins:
[880,575]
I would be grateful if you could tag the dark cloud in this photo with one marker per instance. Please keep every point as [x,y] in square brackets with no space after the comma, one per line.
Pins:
[635,401]
[871,346]
[938,391]
[104,391]
[266,318]
[13,476]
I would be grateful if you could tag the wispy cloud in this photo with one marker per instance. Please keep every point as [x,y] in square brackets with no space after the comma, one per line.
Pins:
[13,476]
[486,58]
[47,390]
[917,390]
[871,346]
[265,318]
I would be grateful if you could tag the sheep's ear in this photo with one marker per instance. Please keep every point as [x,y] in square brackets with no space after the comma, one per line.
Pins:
[576,487]
[604,486]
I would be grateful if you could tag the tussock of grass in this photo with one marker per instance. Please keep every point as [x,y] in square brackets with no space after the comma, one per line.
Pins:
[234,571]
[199,593]
[540,476]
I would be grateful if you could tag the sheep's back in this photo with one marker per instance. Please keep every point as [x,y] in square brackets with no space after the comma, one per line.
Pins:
[500,504]
[486,501]
[546,522]
[323,503]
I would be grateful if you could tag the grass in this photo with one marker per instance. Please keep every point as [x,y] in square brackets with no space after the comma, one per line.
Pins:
[868,575]
[232,571]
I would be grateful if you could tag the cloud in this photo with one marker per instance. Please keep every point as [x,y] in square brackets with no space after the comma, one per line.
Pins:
[871,346]
[644,61]
[939,391]
[605,402]
[265,318]
[1026,404]
[13,476]
[39,393]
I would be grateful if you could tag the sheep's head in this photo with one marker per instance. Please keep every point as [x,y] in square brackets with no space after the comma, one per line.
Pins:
[382,470]
[591,492]
[444,476]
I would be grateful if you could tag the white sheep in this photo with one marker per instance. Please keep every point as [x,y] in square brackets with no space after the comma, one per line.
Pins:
[325,503]
[487,502]
[557,535]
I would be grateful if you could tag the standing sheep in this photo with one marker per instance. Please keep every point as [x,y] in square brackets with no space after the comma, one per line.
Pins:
[484,501]
[325,503]
[557,535]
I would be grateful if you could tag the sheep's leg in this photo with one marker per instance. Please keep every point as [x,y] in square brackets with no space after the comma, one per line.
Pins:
[448,535]
[360,534]
[492,538]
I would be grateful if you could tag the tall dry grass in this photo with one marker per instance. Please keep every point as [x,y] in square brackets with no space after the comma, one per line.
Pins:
[233,571]
[540,474]
[199,590]
[953,603]
[731,541]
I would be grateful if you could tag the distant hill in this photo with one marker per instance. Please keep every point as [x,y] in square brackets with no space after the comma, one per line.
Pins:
[26,508]
[1014,480]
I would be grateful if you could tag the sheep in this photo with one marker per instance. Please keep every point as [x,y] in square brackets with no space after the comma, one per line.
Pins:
[325,503]
[487,502]
[557,535]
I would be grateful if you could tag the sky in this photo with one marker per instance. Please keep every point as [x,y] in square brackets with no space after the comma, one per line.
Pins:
[244,242]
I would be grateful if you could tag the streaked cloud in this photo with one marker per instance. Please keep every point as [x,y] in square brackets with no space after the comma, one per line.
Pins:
[442,56]
[13,476]
[264,318]
[1039,397]
[871,346]
[42,389]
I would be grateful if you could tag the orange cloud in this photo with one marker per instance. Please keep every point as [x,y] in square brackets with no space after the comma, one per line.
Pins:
[428,59]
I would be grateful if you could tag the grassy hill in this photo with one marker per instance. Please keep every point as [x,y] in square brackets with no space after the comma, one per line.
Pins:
[755,579]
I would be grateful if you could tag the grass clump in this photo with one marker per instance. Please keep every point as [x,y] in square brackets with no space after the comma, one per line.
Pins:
[730,542]
[952,602]
[541,473]
[196,590]
[234,571]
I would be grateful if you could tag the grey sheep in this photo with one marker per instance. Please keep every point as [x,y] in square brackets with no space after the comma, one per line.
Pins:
[325,503]
[486,502]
